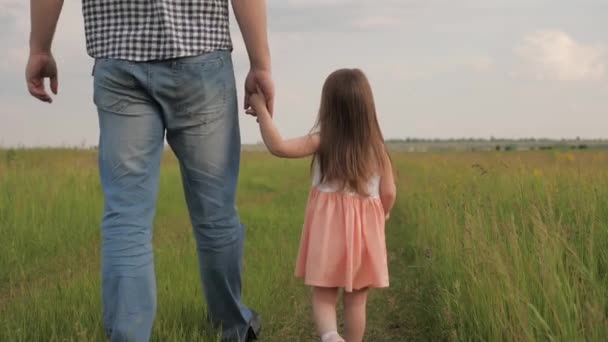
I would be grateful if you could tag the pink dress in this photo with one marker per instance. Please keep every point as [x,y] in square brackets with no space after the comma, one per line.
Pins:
[343,243]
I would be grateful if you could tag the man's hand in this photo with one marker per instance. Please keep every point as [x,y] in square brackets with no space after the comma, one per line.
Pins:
[259,80]
[41,64]
[39,67]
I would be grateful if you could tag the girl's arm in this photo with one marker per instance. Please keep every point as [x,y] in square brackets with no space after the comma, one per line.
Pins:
[292,148]
[388,190]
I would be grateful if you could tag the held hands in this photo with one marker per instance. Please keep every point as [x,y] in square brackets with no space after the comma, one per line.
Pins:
[258,104]
[259,81]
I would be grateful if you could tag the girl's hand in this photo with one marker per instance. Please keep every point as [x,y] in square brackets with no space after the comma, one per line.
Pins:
[258,102]
[258,105]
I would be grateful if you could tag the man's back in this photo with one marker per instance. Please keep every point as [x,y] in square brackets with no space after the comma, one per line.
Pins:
[144,30]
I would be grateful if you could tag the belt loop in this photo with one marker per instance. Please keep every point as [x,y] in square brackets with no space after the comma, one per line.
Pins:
[94,66]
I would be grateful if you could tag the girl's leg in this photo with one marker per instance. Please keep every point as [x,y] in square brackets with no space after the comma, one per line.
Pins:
[324,312]
[354,314]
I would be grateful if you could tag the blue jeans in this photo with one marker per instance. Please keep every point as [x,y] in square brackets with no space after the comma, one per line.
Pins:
[193,100]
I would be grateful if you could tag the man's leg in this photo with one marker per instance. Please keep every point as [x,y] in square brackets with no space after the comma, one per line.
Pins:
[130,149]
[203,130]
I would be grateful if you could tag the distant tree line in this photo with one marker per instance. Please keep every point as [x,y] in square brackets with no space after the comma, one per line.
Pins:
[492,139]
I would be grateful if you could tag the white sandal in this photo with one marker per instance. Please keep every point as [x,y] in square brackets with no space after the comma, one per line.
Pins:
[331,336]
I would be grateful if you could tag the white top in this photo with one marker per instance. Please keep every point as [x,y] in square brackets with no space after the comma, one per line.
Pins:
[373,184]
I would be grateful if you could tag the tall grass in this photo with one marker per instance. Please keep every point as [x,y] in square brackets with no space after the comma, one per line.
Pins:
[482,246]
[517,244]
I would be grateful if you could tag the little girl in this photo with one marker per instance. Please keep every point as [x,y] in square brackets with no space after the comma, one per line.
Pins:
[353,190]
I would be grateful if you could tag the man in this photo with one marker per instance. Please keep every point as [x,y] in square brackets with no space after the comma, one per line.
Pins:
[164,66]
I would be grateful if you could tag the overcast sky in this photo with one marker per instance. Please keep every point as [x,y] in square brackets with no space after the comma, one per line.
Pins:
[439,68]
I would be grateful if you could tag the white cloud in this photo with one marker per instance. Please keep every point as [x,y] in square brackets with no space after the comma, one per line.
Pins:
[554,55]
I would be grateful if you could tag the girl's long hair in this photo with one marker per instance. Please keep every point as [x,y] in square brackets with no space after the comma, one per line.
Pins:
[352,146]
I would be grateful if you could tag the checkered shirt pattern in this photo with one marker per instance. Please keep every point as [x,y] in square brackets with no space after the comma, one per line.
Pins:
[146,30]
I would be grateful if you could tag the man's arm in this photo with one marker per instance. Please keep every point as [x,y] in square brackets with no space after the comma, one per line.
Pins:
[44,15]
[251,17]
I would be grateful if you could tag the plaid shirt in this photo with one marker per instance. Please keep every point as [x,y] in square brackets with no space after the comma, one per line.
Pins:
[145,30]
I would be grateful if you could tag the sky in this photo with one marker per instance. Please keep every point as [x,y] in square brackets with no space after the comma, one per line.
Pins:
[438,68]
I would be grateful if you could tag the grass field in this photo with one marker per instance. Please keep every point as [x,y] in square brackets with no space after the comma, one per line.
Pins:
[482,246]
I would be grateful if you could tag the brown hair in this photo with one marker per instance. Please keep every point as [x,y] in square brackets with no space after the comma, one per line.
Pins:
[352,147]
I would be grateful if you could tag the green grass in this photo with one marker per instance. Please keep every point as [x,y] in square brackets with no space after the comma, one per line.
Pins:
[482,246]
